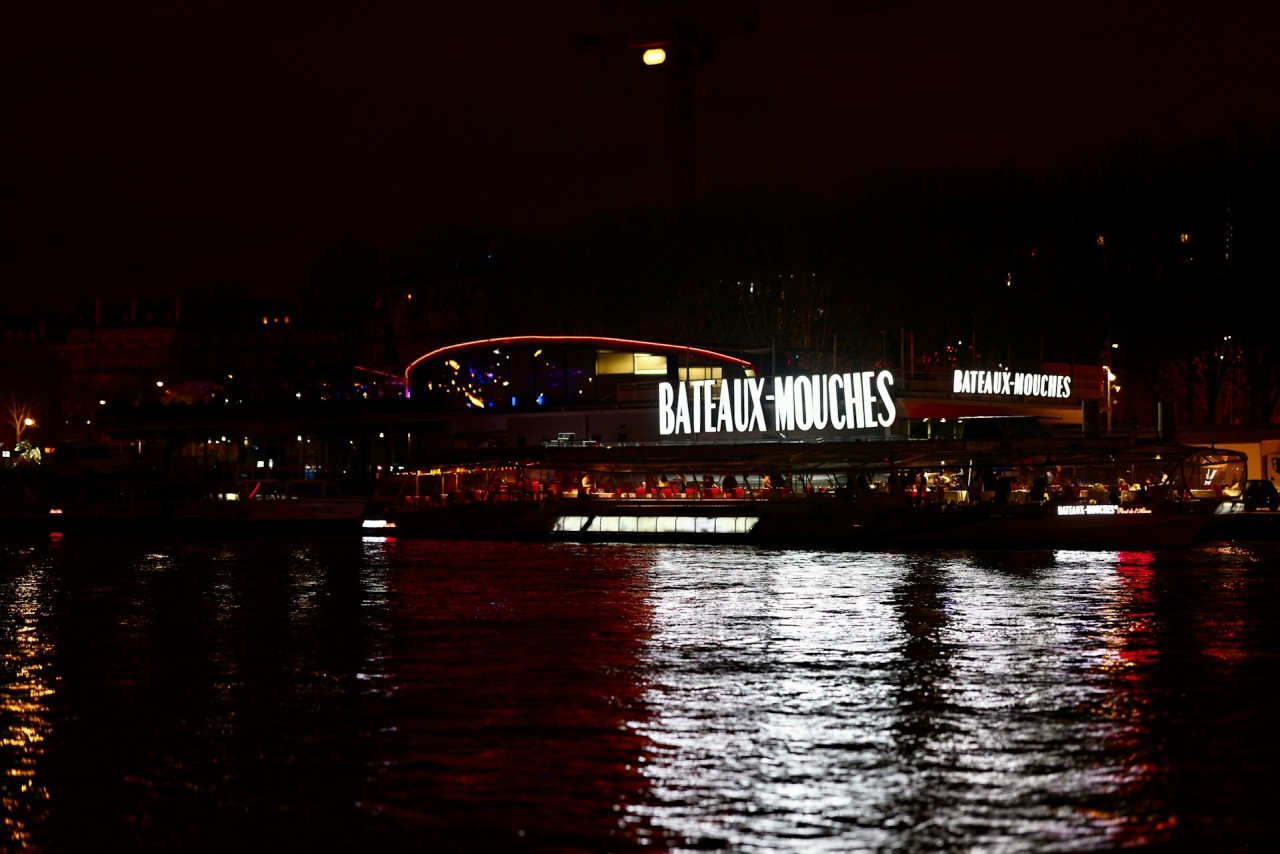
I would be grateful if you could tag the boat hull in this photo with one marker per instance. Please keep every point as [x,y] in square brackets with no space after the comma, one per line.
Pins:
[1041,527]
[799,522]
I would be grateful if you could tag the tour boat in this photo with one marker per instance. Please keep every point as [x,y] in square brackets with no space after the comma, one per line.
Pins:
[864,494]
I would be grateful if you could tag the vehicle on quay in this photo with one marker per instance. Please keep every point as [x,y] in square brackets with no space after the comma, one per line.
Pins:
[1259,495]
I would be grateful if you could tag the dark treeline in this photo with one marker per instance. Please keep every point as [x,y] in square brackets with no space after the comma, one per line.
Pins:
[1172,258]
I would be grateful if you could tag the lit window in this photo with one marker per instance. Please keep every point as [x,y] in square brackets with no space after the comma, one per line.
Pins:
[701,373]
[649,364]
[615,363]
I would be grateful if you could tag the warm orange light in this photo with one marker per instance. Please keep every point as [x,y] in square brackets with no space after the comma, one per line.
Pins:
[655,56]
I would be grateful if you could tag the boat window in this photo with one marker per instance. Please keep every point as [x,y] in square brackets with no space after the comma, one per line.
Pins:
[701,372]
[640,364]
[649,364]
[307,489]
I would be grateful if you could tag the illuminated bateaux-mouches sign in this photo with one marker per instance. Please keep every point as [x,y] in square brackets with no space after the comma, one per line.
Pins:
[839,401]
[1008,382]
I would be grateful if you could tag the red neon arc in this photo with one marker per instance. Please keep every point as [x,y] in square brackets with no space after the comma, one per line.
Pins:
[575,339]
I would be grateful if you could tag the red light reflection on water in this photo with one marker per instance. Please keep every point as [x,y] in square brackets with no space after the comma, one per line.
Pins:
[1131,642]
[524,708]
[1224,630]
[1135,643]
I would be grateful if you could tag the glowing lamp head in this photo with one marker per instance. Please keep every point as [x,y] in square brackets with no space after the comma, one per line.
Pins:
[655,56]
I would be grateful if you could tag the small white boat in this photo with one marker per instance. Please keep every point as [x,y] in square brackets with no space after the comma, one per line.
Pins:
[251,505]
[271,505]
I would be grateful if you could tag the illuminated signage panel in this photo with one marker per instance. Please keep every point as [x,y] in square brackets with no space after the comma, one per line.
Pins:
[783,404]
[1011,383]
[1099,510]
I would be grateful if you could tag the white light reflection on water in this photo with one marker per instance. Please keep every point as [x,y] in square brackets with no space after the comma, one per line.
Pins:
[24,699]
[818,701]
[620,698]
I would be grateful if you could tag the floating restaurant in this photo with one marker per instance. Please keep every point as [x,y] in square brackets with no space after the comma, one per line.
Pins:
[526,391]
[594,437]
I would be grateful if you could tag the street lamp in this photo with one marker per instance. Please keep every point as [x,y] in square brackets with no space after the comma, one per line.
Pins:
[1109,378]
[26,423]
[686,49]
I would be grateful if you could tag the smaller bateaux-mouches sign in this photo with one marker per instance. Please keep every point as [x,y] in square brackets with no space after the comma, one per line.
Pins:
[847,401]
[1011,383]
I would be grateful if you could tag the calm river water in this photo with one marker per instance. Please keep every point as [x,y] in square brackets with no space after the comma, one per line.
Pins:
[414,695]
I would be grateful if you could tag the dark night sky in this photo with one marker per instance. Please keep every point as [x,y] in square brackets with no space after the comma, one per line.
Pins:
[163,148]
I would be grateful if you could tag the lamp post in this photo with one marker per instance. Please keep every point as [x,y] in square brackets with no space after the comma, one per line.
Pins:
[1109,380]
[20,425]
[682,51]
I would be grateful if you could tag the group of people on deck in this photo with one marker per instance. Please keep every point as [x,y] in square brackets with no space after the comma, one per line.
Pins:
[936,488]
[662,486]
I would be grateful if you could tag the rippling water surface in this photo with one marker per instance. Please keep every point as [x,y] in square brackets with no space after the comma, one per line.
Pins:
[343,695]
